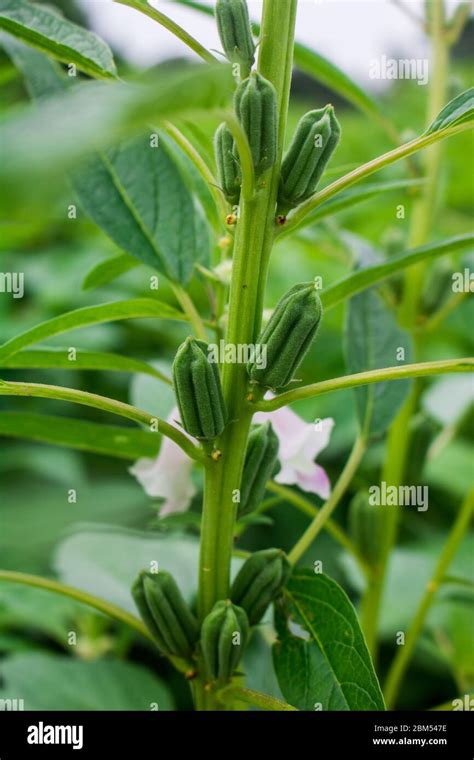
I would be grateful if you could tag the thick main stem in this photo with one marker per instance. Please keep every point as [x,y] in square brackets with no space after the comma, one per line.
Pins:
[253,242]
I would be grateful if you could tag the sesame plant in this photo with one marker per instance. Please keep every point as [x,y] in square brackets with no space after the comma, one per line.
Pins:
[206,214]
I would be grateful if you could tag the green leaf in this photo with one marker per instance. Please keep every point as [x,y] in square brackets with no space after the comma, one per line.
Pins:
[54,358]
[23,607]
[321,655]
[136,193]
[364,278]
[106,560]
[136,308]
[351,198]
[52,682]
[109,440]
[107,271]
[46,29]
[372,341]
[48,138]
[331,76]
[459,110]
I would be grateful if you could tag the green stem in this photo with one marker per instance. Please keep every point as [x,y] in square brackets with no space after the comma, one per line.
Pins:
[37,390]
[308,508]
[395,461]
[405,652]
[422,369]
[202,168]
[190,310]
[255,698]
[253,242]
[422,217]
[111,610]
[172,26]
[337,493]
[295,218]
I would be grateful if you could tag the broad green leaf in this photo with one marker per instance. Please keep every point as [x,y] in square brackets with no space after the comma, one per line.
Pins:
[46,29]
[105,561]
[43,507]
[321,658]
[136,194]
[54,682]
[351,198]
[109,440]
[459,110]
[136,308]
[53,358]
[60,466]
[53,136]
[22,607]
[370,275]
[374,340]
[107,271]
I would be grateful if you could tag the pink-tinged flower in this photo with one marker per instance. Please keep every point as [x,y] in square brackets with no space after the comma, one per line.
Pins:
[169,475]
[300,444]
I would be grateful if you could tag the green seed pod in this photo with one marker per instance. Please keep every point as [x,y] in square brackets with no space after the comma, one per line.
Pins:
[166,614]
[233,23]
[314,141]
[288,336]
[260,464]
[366,528]
[224,634]
[198,390]
[228,169]
[255,106]
[259,581]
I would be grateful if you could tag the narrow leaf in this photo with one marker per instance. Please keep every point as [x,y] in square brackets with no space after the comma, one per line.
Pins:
[107,271]
[47,30]
[108,440]
[321,658]
[374,340]
[59,358]
[364,278]
[351,198]
[137,308]
[459,110]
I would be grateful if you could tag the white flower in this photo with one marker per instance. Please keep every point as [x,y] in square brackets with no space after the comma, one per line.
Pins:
[300,444]
[169,475]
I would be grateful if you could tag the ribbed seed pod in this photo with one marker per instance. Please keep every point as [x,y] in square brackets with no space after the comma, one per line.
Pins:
[288,336]
[259,581]
[233,23]
[166,614]
[255,106]
[365,528]
[228,169]
[198,390]
[261,459]
[224,634]
[313,143]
